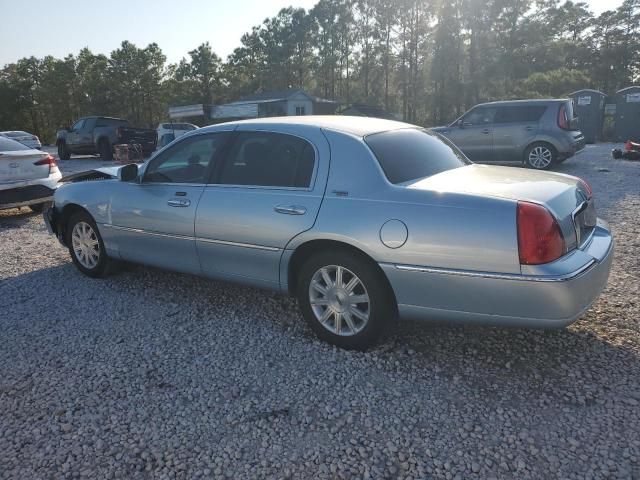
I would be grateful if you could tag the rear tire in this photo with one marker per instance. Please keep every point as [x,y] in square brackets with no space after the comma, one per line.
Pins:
[63,151]
[106,152]
[345,299]
[86,246]
[37,208]
[540,156]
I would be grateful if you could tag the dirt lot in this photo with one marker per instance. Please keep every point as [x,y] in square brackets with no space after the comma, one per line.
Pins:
[149,374]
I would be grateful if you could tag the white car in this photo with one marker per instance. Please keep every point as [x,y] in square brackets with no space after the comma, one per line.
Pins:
[25,138]
[28,177]
[168,132]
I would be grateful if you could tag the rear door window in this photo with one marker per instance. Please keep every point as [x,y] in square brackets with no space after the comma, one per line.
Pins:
[520,114]
[268,159]
[111,122]
[411,154]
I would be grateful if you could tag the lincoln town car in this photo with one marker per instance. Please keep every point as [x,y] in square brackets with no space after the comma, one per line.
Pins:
[364,220]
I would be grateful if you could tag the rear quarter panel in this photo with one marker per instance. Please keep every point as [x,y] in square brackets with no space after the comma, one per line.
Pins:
[453,231]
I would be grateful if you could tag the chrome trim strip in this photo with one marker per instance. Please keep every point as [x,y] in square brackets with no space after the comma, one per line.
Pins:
[147,232]
[496,276]
[238,244]
[199,239]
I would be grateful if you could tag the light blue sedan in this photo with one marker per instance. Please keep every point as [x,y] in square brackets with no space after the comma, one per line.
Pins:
[364,220]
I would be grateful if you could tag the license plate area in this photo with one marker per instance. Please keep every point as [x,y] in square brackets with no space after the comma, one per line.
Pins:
[584,221]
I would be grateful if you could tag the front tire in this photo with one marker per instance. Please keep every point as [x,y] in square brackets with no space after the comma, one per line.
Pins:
[345,299]
[540,156]
[63,151]
[86,246]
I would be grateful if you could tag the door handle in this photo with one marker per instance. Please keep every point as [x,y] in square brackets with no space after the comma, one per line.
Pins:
[528,129]
[486,131]
[290,209]
[178,202]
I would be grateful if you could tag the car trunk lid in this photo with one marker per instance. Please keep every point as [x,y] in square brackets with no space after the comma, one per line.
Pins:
[20,165]
[566,197]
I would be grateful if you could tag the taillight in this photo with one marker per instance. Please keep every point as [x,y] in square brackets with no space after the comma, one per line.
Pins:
[48,160]
[586,187]
[539,237]
[119,132]
[563,120]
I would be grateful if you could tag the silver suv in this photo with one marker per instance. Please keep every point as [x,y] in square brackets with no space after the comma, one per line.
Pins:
[539,133]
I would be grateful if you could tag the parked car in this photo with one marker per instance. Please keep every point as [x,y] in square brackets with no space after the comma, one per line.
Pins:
[98,135]
[28,139]
[168,132]
[28,177]
[538,133]
[362,219]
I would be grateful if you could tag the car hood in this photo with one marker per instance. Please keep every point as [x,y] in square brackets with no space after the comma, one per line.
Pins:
[103,173]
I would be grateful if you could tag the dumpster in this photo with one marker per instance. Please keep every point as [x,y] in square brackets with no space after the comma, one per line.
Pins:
[628,114]
[588,106]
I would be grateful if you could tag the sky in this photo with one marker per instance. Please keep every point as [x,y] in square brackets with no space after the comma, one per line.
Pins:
[46,27]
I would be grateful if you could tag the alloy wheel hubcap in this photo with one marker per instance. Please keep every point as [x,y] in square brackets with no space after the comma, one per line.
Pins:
[540,157]
[339,300]
[85,245]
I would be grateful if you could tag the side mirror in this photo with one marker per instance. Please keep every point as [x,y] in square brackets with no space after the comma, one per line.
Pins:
[128,173]
[460,123]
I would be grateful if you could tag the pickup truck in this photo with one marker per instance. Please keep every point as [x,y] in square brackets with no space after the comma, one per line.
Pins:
[98,135]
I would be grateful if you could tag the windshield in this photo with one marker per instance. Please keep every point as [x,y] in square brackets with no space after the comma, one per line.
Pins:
[411,154]
[8,145]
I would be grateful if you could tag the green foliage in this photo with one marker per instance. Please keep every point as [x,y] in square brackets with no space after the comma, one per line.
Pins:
[425,60]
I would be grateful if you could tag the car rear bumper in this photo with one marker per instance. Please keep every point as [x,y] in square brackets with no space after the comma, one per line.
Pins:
[575,145]
[535,300]
[24,196]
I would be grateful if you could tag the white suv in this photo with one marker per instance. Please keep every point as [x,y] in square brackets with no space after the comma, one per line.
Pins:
[168,132]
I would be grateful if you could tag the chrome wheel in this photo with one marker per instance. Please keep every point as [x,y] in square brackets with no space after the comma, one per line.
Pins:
[85,245]
[540,157]
[339,300]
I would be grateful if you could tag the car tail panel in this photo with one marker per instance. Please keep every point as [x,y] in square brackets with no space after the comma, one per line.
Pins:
[24,165]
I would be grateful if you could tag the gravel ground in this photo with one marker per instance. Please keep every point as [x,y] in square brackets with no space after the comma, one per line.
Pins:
[150,374]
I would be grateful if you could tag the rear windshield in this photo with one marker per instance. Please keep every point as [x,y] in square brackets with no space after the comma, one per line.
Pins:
[7,145]
[411,154]
[16,134]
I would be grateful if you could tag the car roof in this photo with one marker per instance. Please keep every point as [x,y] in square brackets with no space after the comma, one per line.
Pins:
[533,101]
[358,126]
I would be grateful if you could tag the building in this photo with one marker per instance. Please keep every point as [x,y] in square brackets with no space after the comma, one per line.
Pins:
[289,102]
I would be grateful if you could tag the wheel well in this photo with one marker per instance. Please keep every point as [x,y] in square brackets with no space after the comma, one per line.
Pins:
[304,251]
[67,212]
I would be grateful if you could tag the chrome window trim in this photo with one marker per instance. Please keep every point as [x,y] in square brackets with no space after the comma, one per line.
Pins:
[259,187]
[186,237]
[496,276]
